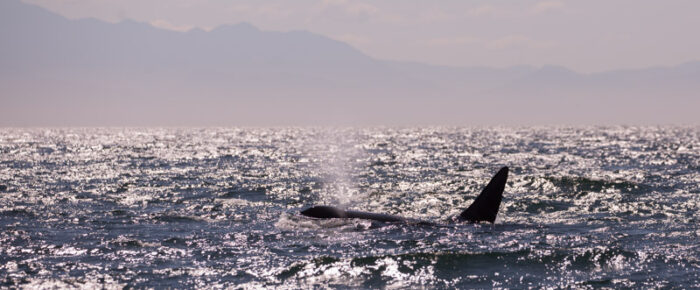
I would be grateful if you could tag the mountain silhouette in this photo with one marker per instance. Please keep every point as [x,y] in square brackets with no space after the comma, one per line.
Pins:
[57,71]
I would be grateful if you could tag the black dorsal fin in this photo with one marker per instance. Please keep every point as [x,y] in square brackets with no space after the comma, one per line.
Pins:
[485,206]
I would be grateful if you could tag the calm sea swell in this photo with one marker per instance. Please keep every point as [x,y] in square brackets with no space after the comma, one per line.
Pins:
[584,206]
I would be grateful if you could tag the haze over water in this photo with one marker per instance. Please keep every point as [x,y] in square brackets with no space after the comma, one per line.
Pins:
[517,64]
[584,206]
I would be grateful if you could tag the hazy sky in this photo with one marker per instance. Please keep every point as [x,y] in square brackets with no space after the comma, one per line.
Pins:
[587,36]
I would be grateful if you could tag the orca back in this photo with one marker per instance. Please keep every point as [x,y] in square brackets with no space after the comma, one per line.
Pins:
[484,208]
[324,212]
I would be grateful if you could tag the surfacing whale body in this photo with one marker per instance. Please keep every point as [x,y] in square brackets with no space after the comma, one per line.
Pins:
[483,208]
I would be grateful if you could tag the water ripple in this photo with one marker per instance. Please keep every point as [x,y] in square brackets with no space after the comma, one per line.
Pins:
[218,207]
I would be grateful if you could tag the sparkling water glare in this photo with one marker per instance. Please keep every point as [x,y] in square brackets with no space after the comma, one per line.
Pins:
[168,207]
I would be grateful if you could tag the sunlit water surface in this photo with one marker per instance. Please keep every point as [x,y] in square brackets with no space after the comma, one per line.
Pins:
[587,206]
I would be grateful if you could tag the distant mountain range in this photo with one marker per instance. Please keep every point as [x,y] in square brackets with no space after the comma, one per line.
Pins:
[55,72]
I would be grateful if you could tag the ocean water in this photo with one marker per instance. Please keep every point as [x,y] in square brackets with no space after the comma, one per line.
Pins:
[219,207]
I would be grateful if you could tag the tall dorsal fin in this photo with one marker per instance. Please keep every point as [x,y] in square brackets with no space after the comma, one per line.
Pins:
[485,206]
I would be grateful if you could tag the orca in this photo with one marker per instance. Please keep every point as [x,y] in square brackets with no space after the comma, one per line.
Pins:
[483,208]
